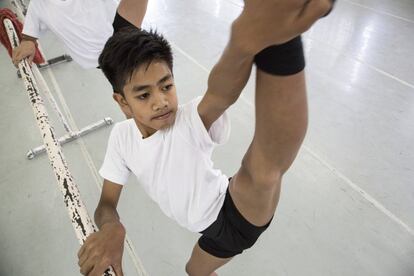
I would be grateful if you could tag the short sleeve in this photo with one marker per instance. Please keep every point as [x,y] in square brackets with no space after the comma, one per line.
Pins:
[114,167]
[218,133]
[32,25]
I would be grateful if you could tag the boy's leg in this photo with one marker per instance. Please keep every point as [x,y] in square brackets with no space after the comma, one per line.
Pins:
[133,11]
[202,263]
[281,121]
[281,118]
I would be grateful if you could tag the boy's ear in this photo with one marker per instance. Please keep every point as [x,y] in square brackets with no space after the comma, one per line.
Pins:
[123,104]
[119,98]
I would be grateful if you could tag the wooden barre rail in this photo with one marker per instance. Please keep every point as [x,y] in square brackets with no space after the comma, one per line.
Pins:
[81,222]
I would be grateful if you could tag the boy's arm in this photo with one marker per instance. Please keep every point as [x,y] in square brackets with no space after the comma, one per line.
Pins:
[133,11]
[105,247]
[225,83]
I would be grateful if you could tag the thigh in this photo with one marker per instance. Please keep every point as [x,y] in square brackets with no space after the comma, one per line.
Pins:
[281,121]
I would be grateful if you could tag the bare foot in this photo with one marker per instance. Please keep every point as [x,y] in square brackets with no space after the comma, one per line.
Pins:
[213,274]
[251,31]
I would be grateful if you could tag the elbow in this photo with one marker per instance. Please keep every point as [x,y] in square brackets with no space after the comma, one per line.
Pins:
[230,99]
[233,98]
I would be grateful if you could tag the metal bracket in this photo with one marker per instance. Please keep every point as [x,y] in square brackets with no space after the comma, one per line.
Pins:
[71,136]
[51,62]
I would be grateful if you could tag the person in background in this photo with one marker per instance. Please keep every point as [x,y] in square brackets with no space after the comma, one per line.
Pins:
[83,26]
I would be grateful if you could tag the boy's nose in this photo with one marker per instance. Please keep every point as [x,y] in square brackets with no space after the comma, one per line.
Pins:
[160,102]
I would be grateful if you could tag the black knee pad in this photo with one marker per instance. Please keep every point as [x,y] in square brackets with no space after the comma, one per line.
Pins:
[283,60]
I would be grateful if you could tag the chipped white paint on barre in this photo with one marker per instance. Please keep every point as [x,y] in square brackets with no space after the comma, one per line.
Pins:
[79,217]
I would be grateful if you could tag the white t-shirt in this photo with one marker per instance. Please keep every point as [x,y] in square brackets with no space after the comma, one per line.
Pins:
[173,165]
[84,26]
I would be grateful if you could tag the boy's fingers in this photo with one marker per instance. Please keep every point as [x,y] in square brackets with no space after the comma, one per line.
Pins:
[16,60]
[14,53]
[98,270]
[30,58]
[87,268]
[19,56]
[330,9]
[15,56]
[81,250]
[313,10]
[118,270]
[82,259]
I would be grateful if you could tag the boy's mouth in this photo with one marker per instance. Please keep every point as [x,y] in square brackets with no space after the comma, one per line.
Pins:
[163,116]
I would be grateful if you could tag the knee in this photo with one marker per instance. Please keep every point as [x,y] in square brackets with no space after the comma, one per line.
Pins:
[264,179]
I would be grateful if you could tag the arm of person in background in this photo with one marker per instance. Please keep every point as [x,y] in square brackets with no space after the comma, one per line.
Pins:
[30,34]
[105,247]
[133,11]
[250,33]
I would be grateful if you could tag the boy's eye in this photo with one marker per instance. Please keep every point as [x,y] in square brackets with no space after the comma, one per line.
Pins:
[167,87]
[143,96]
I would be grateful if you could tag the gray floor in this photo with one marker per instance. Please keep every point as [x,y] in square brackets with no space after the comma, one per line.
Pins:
[347,206]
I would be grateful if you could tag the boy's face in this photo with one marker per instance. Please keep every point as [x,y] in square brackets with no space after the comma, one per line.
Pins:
[150,98]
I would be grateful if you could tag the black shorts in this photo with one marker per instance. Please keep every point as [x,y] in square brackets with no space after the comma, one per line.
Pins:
[120,22]
[231,233]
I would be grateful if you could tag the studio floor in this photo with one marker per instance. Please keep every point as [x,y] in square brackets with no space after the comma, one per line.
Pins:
[347,204]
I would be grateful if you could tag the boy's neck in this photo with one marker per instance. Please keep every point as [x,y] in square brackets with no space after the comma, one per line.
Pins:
[146,132]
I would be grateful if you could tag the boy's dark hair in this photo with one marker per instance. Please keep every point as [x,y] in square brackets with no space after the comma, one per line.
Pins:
[129,49]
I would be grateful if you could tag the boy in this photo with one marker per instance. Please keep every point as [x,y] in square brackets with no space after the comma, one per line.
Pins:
[82,25]
[230,214]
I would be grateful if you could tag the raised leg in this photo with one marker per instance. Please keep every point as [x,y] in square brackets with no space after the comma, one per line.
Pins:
[281,111]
